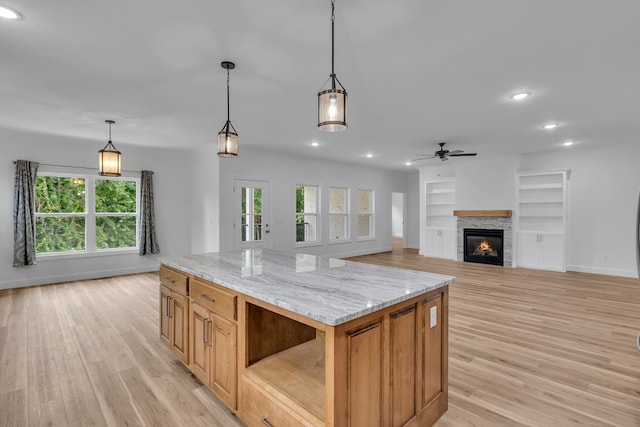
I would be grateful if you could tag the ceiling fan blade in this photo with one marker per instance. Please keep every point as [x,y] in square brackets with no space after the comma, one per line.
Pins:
[454,152]
[463,154]
[422,158]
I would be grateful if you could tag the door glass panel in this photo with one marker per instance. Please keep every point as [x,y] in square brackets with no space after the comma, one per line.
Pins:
[251,216]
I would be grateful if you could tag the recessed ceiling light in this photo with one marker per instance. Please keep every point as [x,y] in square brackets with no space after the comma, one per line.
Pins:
[550,126]
[315,144]
[520,96]
[369,155]
[567,143]
[7,13]
[407,164]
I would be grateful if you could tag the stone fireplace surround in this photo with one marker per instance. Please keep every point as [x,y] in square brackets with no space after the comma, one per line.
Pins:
[492,220]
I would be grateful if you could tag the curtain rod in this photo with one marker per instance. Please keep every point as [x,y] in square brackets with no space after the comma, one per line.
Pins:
[73,167]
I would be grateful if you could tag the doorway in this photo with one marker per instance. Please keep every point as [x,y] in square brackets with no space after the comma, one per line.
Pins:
[398,221]
[251,214]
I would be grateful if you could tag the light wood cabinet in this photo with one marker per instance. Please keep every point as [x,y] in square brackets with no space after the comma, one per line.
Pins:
[385,369]
[213,339]
[281,369]
[174,313]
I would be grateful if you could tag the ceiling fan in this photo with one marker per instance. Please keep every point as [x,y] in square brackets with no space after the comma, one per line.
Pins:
[443,154]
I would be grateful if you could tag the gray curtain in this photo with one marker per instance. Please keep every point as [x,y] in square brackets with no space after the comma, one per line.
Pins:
[24,213]
[148,240]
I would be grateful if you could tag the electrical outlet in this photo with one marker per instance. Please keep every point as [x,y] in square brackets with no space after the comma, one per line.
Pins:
[433,317]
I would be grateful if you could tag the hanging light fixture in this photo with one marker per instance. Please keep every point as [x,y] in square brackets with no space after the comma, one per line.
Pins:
[228,137]
[109,157]
[332,103]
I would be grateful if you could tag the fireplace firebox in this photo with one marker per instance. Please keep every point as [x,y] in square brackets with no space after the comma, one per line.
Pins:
[483,246]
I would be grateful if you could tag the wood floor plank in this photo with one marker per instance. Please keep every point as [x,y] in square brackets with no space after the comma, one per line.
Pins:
[13,408]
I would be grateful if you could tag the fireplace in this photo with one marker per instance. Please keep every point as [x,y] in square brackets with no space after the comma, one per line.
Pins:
[484,246]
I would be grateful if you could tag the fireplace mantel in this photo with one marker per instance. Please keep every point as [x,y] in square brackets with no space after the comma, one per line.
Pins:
[498,213]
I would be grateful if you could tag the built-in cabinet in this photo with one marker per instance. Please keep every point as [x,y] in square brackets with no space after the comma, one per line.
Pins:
[174,312]
[541,220]
[441,228]
[213,338]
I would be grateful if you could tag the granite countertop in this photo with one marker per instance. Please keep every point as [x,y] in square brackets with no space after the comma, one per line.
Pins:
[329,290]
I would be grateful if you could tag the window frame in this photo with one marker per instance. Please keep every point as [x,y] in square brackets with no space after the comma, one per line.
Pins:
[90,216]
[317,215]
[371,215]
[346,214]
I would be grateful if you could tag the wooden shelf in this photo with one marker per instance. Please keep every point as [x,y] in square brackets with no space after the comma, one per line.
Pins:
[498,213]
[297,373]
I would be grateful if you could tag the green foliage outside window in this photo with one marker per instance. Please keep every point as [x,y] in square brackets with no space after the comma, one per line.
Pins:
[61,214]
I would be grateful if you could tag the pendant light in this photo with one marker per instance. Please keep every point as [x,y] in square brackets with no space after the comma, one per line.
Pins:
[109,157]
[228,137]
[332,102]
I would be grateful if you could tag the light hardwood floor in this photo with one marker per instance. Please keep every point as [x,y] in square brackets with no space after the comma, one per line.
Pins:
[526,348]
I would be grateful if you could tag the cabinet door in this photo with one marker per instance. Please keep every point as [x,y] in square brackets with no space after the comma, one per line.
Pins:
[529,250]
[402,356]
[552,252]
[165,330]
[449,243]
[433,242]
[223,363]
[179,325]
[199,339]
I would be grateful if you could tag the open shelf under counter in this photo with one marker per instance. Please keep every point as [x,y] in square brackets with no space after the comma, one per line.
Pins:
[297,373]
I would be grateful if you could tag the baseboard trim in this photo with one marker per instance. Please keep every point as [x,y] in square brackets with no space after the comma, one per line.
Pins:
[85,275]
[604,271]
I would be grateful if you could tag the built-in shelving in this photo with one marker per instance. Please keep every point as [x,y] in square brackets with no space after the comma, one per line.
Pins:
[541,219]
[441,225]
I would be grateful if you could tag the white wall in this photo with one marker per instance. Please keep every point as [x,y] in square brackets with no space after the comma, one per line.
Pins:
[603,196]
[284,172]
[171,178]
[205,200]
[412,239]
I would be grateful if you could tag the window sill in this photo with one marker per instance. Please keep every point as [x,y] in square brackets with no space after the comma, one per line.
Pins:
[307,244]
[339,241]
[80,255]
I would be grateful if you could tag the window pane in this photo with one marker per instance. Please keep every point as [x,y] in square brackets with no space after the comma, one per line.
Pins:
[364,226]
[251,228]
[338,227]
[115,232]
[115,196]
[364,201]
[306,228]
[59,234]
[59,194]
[337,200]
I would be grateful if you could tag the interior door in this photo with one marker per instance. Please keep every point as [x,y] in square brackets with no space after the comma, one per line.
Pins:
[251,219]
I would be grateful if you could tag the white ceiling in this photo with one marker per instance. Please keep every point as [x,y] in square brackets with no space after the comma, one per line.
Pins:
[417,72]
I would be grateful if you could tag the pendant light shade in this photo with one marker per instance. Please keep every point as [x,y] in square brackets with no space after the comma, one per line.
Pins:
[228,137]
[332,102]
[109,158]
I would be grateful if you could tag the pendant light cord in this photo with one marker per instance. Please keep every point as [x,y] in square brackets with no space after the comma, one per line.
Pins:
[110,131]
[228,108]
[333,19]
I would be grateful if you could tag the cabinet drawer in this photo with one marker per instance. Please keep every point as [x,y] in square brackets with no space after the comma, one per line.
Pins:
[174,280]
[256,405]
[215,299]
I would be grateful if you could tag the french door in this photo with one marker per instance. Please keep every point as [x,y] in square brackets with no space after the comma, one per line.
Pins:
[251,214]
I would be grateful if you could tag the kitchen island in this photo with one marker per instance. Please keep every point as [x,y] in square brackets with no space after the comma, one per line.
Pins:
[289,339]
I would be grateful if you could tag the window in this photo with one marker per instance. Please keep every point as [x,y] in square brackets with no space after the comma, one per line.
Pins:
[307,197]
[365,214]
[338,213]
[83,214]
